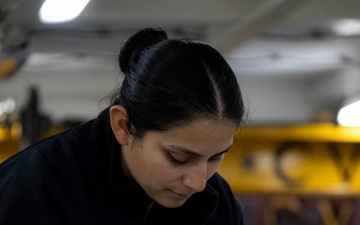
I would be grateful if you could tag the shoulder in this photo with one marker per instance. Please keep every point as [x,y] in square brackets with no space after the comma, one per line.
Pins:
[228,210]
[54,159]
[44,176]
[54,145]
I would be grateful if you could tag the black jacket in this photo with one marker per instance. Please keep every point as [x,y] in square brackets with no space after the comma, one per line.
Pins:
[76,178]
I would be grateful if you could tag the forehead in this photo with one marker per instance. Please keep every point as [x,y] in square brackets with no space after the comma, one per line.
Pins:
[199,135]
[205,127]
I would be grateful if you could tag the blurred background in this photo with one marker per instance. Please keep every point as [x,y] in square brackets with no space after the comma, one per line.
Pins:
[297,62]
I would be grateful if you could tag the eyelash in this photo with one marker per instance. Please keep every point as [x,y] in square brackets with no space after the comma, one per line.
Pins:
[174,160]
[216,158]
[178,162]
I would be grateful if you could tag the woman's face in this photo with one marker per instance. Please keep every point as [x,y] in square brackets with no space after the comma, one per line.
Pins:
[173,165]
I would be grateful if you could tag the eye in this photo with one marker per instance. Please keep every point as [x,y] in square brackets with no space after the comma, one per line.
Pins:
[177,158]
[216,158]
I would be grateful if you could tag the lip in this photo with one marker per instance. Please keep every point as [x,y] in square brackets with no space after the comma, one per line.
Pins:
[180,196]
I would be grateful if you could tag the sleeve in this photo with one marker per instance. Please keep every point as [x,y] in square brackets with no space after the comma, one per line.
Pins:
[229,211]
[33,191]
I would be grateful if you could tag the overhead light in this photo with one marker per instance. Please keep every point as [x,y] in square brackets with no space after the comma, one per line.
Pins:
[349,115]
[7,106]
[58,11]
[347,27]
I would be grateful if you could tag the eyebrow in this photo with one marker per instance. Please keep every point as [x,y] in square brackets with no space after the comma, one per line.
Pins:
[190,152]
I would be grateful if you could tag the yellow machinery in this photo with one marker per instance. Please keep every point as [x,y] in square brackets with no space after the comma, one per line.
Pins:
[306,159]
[9,140]
[298,174]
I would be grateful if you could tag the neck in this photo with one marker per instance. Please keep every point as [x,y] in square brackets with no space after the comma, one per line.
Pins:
[124,165]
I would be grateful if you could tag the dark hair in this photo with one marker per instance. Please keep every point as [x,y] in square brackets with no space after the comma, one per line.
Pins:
[174,81]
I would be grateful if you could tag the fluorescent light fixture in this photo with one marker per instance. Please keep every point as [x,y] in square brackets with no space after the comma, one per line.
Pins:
[350,115]
[347,27]
[7,106]
[58,11]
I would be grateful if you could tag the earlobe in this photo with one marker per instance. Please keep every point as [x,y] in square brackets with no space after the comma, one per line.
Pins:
[118,116]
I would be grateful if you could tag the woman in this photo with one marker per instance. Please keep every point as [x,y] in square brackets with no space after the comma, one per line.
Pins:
[149,158]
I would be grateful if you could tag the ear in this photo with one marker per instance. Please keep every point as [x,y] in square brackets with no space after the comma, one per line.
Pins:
[118,116]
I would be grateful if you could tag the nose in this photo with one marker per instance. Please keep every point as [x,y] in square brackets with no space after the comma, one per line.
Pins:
[196,178]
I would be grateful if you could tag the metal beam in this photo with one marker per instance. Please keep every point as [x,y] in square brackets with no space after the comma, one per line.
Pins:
[242,30]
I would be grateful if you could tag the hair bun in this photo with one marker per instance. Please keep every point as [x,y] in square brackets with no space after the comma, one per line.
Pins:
[138,42]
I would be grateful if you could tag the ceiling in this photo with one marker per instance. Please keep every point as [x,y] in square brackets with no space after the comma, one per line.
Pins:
[291,63]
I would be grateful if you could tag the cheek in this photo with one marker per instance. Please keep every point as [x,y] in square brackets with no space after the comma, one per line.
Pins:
[212,168]
[160,171]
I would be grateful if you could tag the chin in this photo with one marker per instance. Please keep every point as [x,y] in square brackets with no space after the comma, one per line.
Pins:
[171,204]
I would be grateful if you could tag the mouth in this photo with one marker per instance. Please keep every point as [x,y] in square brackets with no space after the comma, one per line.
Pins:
[180,196]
